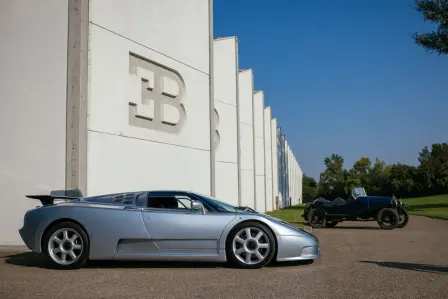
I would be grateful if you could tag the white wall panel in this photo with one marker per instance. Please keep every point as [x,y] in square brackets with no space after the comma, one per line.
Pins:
[135,90]
[117,164]
[226,180]
[247,188]
[226,150]
[226,120]
[178,29]
[260,184]
[268,159]
[33,59]
[245,105]
[275,174]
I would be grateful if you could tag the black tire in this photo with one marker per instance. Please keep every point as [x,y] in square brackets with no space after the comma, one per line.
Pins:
[403,216]
[319,217]
[82,240]
[331,223]
[387,218]
[268,237]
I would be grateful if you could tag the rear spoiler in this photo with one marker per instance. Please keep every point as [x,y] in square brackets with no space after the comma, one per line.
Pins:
[69,194]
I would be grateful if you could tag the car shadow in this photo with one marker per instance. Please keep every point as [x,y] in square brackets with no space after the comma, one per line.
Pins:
[410,266]
[354,227]
[34,260]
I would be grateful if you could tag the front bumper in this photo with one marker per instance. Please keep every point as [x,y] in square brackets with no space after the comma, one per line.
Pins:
[297,248]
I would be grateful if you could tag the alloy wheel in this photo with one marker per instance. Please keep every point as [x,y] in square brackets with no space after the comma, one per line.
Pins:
[65,246]
[251,245]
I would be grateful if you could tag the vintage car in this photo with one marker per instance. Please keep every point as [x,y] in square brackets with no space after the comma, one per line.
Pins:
[389,212]
[70,229]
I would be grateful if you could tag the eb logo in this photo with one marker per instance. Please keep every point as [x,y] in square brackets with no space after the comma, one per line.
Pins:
[156,103]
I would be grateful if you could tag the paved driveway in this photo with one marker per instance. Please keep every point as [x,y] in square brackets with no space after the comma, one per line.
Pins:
[359,261]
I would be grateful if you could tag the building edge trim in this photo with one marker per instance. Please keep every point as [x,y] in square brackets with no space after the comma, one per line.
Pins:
[76,95]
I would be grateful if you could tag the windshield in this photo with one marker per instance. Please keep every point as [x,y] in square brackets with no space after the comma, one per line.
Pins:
[222,205]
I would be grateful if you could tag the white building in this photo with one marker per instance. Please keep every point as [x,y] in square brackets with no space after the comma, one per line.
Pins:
[131,95]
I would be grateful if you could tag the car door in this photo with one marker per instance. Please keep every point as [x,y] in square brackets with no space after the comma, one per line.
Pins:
[177,229]
[357,207]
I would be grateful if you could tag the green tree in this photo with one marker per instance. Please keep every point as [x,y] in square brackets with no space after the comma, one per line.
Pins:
[332,180]
[309,190]
[402,180]
[435,11]
[433,168]
[362,171]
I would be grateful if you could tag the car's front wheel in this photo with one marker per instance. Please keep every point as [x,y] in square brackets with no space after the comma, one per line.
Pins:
[250,245]
[388,218]
[66,245]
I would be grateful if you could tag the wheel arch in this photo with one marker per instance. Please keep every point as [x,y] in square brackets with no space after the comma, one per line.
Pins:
[60,220]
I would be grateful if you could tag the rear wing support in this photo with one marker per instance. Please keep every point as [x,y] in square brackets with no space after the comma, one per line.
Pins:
[69,194]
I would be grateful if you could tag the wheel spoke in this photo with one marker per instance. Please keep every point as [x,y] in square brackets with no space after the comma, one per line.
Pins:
[248,257]
[56,239]
[73,238]
[56,250]
[72,255]
[240,250]
[259,256]
[76,246]
[66,235]
[259,235]
[64,257]
[239,240]
[248,235]
[263,245]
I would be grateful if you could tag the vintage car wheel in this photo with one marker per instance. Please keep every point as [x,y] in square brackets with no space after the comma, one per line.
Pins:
[403,217]
[250,245]
[317,218]
[66,245]
[388,218]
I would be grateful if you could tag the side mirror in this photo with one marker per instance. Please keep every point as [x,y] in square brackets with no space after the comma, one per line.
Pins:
[197,206]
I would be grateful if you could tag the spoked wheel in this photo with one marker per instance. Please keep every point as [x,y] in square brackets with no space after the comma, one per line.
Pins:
[403,217]
[66,245]
[250,245]
[317,218]
[388,218]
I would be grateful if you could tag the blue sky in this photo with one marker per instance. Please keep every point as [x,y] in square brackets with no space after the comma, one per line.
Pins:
[342,77]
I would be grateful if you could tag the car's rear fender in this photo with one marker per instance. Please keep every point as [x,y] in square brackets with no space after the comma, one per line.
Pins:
[104,225]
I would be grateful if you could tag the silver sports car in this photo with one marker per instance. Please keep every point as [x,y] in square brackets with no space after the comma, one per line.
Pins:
[70,229]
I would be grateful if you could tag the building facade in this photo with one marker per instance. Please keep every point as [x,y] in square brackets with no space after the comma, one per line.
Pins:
[132,95]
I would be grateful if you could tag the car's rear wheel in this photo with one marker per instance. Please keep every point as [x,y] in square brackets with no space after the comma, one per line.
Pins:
[250,245]
[66,245]
[317,218]
[403,217]
[388,218]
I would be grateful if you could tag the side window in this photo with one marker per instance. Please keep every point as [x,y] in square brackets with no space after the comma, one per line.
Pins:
[162,202]
[184,202]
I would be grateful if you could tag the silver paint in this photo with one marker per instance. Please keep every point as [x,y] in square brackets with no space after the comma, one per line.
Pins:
[118,231]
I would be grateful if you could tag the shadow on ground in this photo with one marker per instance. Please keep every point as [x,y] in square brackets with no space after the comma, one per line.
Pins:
[410,266]
[34,260]
[354,227]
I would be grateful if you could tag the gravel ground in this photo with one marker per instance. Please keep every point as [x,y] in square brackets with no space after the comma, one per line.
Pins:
[358,261]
